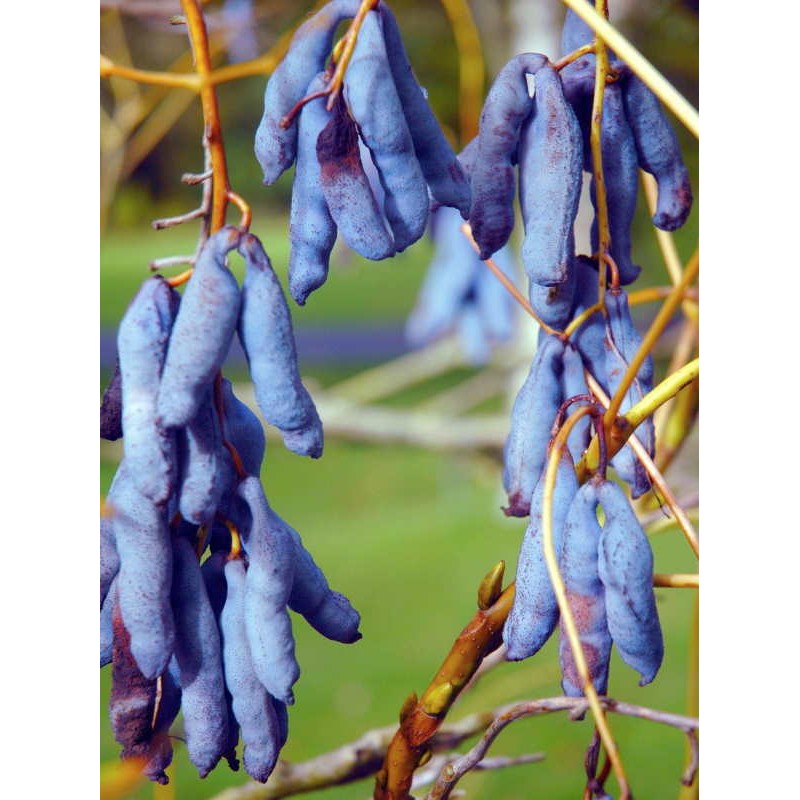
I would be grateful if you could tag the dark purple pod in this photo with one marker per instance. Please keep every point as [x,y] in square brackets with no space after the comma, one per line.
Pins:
[252,705]
[550,181]
[532,418]
[198,656]
[265,331]
[534,615]
[585,595]
[111,407]
[312,231]
[206,470]
[658,153]
[371,96]
[243,430]
[167,707]
[142,342]
[448,183]
[270,576]
[573,382]
[492,175]
[625,566]
[202,332]
[282,715]
[346,187]
[142,538]
[326,611]
[275,147]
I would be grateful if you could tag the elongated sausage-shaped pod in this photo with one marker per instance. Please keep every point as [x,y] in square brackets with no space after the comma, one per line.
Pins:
[492,175]
[532,418]
[198,655]
[658,153]
[252,705]
[282,715]
[534,615]
[312,231]
[372,98]
[550,181]
[109,558]
[625,566]
[574,383]
[347,190]
[467,157]
[554,304]
[169,704]
[275,147]
[142,341]
[621,175]
[589,338]
[206,473]
[111,407]
[622,341]
[447,181]
[265,331]
[495,305]
[243,429]
[270,576]
[328,612]
[449,278]
[585,595]
[106,625]
[143,543]
[202,332]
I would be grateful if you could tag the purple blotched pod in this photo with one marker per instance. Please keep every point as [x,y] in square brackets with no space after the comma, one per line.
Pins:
[625,566]
[206,469]
[659,154]
[573,381]
[252,705]
[270,576]
[111,407]
[467,157]
[346,187]
[550,180]
[326,611]
[265,331]
[106,624]
[622,341]
[275,147]
[142,538]
[534,615]
[198,656]
[109,558]
[132,705]
[448,183]
[492,175]
[312,231]
[532,418]
[243,430]
[202,332]
[373,102]
[142,341]
[585,595]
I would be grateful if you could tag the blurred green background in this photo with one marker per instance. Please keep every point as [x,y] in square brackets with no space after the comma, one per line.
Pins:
[406,533]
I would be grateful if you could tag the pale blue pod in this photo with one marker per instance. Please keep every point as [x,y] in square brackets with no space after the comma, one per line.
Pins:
[243,429]
[373,102]
[448,183]
[550,181]
[206,472]
[252,705]
[585,595]
[346,188]
[144,581]
[659,154]
[554,304]
[142,342]
[493,183]
[625,566]
[574,383]
[534,615]
[589,338]
[198,656]
[106,626]
[467,157]
[109,558]
[532,418]
[312,231]
[265,331]
[328,612]
[275,147]
[495,305]
[269,584]
[202,333]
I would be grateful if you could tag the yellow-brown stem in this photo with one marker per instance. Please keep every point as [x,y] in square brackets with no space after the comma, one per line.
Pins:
[573,56]
[676,580]
[175,80]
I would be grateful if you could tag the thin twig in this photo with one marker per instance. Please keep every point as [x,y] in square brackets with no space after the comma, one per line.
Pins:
[169,222]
